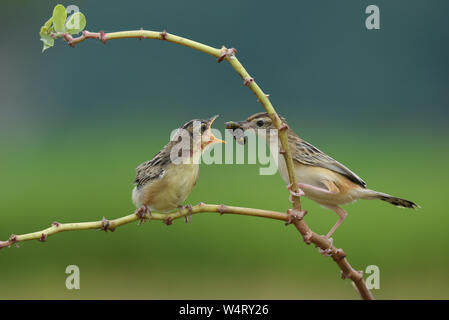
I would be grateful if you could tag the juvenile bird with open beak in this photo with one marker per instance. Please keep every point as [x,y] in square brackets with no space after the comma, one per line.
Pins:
[321,178]
[163,183]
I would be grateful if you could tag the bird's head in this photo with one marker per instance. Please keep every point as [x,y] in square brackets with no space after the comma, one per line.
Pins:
[200,132]
[260,122]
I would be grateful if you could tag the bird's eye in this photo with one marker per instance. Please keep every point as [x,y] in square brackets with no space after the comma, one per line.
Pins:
[259,123]
[203,127]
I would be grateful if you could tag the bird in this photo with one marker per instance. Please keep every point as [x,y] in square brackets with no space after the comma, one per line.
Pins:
[320,178]
[163,183]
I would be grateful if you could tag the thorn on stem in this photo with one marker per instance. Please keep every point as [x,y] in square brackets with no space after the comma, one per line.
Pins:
[56,224]
[327,252]
[222,209]
[225,52]
[293,215]
[103,37]
[339,255]
[168,221]
[307,238]
[142,36]
[13,238]
[43,237]
[164,35]
[248,81]
[105,225]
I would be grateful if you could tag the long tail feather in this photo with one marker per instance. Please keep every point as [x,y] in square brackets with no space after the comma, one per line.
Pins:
[398,202]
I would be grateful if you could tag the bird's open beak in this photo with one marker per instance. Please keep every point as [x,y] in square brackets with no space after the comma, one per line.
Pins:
[213,139]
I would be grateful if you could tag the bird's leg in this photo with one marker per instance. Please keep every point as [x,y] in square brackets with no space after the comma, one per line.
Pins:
[299,193]
[150,216]
[141,213]
[331,188]
[188,216]
[341,213]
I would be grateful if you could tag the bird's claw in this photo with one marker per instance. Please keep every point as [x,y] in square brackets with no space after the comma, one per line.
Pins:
[188,216]
[327,252]
[293,214]
[142,212]
[298,193]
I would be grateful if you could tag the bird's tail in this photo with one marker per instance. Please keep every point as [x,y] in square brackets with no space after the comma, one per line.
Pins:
[398,202]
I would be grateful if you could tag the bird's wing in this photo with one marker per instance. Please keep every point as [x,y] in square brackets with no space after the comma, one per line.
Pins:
[306,153]
[152,169]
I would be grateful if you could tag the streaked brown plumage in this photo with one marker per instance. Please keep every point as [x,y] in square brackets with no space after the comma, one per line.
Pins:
[320,177]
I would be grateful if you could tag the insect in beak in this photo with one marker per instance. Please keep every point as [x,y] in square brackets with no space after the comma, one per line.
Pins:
[238,135]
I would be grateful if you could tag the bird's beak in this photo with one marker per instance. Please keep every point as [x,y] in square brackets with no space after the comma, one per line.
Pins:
[213,139]
[238,134]
[234,125]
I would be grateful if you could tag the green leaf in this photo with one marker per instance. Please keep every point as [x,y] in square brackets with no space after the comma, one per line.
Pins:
[45,29]
[76,23]
[59,17]
[48,41]
[48,23]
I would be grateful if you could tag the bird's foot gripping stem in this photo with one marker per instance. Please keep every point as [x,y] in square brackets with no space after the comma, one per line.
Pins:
[299,193]
[142,212]
[188,216]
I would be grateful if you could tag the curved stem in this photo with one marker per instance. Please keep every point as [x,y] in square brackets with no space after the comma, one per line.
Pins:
[111,225]
[229,55]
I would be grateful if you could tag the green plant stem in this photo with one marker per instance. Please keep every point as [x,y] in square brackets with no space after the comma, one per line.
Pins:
[229,55]
[111,225]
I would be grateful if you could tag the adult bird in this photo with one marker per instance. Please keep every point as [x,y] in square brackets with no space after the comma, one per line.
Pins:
[321,178]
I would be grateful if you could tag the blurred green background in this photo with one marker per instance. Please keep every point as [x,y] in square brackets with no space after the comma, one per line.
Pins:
[74,123]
